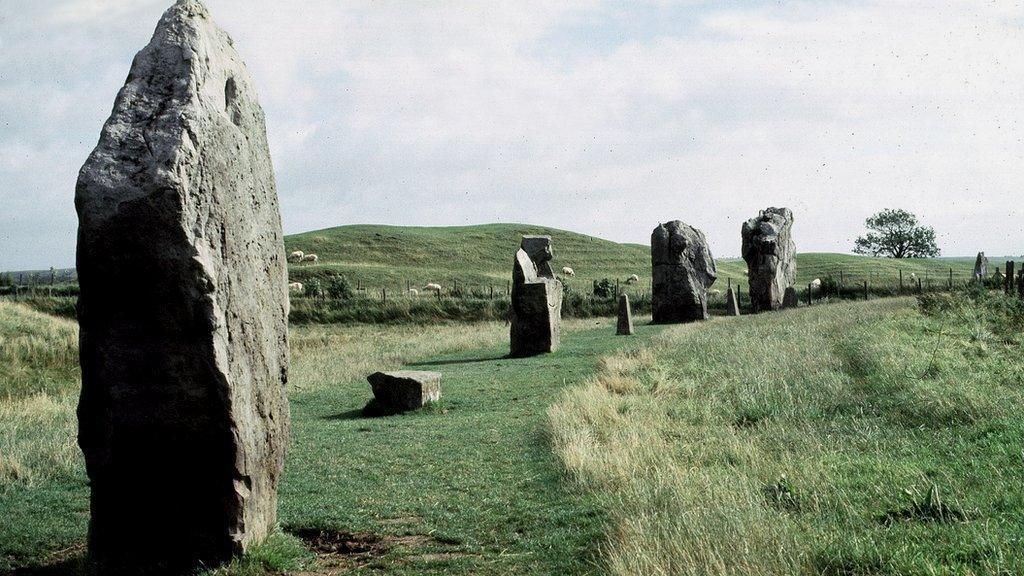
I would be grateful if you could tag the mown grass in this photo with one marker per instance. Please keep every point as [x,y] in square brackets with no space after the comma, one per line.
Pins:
[467,486]
[858,438]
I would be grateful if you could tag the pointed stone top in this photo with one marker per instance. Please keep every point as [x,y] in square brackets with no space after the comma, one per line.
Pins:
[187,83]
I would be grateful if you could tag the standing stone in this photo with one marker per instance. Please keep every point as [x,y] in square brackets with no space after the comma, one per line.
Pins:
[625,326]
[981,267]
[732,304]
[536,314]
[789,299]
[183,310]
[1020,283]
[404,390]
[682,271]
[770,254]
[1008,288]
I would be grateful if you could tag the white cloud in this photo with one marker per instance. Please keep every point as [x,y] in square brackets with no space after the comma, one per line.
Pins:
[590,116]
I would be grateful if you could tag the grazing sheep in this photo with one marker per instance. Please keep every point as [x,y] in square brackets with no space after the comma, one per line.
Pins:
[633,279]
[746,272]
[413,293]
[432,287]
[311,258]
[715,292]
[568,271]
[913,276]
[296,256]
[816,283]
[296,287]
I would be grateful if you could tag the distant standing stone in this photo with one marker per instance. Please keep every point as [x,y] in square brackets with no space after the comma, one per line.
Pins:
[770,254]
[536,313]
[625,327]
[789,299]
[405,389]
[732,305]
[981,267]
[183,310]
[682,271]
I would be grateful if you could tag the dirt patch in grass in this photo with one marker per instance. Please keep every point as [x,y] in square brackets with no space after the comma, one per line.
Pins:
[338,550]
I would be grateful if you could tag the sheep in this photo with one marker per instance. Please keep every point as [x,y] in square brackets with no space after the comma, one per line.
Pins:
[433,287]
[296,256]
[568,271]
[311,258]
[295,287]
[413,293]
[633,279]
[715,292]
[816,283]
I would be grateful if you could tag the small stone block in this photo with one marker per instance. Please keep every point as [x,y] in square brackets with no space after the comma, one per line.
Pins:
[405,389]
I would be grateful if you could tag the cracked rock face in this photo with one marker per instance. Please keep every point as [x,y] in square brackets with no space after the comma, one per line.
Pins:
[536,313]
[770,253]
[183,309]
[682,271]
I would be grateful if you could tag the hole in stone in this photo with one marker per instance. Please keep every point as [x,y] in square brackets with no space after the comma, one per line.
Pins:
[230,93]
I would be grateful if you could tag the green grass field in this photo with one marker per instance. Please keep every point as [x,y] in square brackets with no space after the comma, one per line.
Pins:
[481,256]
[849,438]
[855,438]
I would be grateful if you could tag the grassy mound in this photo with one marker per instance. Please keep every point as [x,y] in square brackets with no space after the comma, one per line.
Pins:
[480,257]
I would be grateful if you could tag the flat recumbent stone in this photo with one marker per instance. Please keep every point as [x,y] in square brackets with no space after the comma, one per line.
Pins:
[404,389]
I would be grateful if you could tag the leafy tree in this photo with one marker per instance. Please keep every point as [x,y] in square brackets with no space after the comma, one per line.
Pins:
[604,289]
[896,234]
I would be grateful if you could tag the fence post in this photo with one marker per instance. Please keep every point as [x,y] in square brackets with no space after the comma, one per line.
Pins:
[456,289]
[492,291]
[865,289]
[810,296]
[1010,264]
[384,295]
[920,290]
[739,293]
[901,281]
[950,279]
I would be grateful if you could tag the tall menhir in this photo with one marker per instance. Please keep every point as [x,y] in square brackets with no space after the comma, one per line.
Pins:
[183,418]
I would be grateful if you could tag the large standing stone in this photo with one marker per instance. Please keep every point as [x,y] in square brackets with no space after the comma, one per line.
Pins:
[183,310]
[682,271]
[536,314]
[404,390]
[770,254]
[981,267]
[625,325]
[1008,288]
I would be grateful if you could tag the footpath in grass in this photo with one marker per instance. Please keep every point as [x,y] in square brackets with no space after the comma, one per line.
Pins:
[468,486]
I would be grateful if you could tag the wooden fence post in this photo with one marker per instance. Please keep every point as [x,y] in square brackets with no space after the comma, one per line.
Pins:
[810,294]
[492,291]
[901,281]
[384,295]
[920,289]
[865,289]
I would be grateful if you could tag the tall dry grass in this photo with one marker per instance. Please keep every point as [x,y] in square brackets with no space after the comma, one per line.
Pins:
[776,444]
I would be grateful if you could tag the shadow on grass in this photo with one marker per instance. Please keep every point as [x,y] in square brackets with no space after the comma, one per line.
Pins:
[465,361]
[73,566]
[374,409]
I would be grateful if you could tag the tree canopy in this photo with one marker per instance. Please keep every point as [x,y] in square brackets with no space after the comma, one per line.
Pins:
[896,234]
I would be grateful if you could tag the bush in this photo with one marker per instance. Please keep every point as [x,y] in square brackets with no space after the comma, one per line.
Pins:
[338,288]
[604,289]
[313,288]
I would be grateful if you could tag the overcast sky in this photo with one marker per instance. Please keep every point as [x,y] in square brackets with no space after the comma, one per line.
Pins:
[600,117]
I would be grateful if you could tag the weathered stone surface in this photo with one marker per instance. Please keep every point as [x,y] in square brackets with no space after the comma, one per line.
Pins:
[981,267]
[625,325]
[789,299]
[405,389]
[536,314]
[1008,288]
[732,304]
[1020,283]
[682,271]
[770,253]
[183,310]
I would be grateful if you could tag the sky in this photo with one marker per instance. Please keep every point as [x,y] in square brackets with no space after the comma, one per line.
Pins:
[600,117]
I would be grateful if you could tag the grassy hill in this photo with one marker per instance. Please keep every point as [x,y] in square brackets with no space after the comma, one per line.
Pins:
[390,256]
